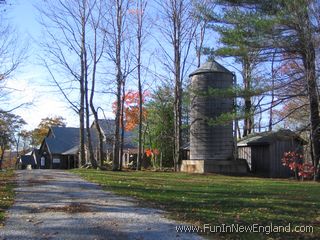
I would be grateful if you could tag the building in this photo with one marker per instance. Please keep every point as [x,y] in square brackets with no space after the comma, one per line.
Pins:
[212,143]
[26,160]
[60,148]
[31,159]
[264,151]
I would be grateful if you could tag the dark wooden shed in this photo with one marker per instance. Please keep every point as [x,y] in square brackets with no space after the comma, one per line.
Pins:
[26,160]
[60,148]
[264,151]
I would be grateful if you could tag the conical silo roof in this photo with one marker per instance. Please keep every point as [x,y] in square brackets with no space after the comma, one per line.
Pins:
[209,67]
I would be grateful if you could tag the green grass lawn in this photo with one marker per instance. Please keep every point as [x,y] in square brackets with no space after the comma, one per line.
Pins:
[216,199]
[6,192]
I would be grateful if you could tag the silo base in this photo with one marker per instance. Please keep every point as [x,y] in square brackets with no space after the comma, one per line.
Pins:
[217,166]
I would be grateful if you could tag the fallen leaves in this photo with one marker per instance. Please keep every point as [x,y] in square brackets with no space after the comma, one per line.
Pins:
[71,208]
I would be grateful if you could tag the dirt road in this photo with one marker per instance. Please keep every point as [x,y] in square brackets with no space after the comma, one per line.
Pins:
[54,204]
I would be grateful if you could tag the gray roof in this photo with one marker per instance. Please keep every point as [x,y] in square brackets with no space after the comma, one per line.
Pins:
[209,67]
[72,151]
[108,128]
[65,140]
[62,139]
[266,138]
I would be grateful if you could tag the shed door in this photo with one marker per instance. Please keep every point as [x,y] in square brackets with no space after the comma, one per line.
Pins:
[260,158]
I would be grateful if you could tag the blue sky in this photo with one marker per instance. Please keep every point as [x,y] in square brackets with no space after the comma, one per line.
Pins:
[31,80]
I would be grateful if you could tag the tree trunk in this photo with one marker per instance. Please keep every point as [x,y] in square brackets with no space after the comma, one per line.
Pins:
[201,41]
[139,40]
[309,61]
[96,58]
[89,139]
[309,64]
[1,157]
[122,124]
[273,77]
[96,120]
[178,89]
[82,134]
[139,158]
[116,146]
[247,123]
[82,94]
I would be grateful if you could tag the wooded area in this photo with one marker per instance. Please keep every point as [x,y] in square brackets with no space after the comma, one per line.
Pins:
[134,57]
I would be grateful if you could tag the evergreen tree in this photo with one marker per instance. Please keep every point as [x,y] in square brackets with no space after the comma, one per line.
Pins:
[289,28]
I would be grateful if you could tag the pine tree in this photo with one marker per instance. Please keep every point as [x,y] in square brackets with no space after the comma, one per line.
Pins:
[289,28]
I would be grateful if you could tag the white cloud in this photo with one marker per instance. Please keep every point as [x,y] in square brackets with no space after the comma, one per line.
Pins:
[46,101]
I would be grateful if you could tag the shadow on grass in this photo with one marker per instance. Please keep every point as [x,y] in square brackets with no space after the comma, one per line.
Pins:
[218,199]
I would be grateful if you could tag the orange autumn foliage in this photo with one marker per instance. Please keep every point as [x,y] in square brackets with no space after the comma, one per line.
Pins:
[131,109]
[152,152]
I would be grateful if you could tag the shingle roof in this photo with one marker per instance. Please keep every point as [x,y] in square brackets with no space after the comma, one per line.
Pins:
[209,67]
[108,128]
[62,139]
[266,138]
[65,140]
[72,151]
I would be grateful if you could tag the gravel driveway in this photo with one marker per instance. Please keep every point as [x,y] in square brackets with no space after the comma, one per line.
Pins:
[54,204]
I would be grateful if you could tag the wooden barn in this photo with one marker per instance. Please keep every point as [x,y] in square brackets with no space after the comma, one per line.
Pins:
[60,148]
[264,151]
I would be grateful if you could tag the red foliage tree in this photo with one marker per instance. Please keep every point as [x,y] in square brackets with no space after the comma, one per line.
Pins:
[294,161]
[131,109]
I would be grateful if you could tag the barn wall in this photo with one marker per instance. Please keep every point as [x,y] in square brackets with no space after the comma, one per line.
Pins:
[56,165]
[66,161]
[44,149]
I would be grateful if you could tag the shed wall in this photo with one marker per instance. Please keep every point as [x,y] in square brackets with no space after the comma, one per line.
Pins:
[244,152]
[277,149]
[265,159]
[260,157]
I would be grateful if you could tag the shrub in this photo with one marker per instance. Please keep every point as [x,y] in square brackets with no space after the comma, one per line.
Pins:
[295,162]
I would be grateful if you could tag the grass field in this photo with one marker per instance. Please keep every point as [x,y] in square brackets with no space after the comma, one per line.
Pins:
[6,192]
[216,199]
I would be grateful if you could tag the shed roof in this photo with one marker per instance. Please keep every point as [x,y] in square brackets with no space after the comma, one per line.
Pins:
[266,138]
[209,67]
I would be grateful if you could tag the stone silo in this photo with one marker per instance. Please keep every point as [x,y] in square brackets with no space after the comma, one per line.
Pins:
[211,145]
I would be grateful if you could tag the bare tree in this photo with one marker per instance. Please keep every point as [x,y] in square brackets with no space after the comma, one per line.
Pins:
[66,54]
[139,19]
[13,52]
[202,6]
[273,78]
[97,52]
[117,36]
[178,29]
